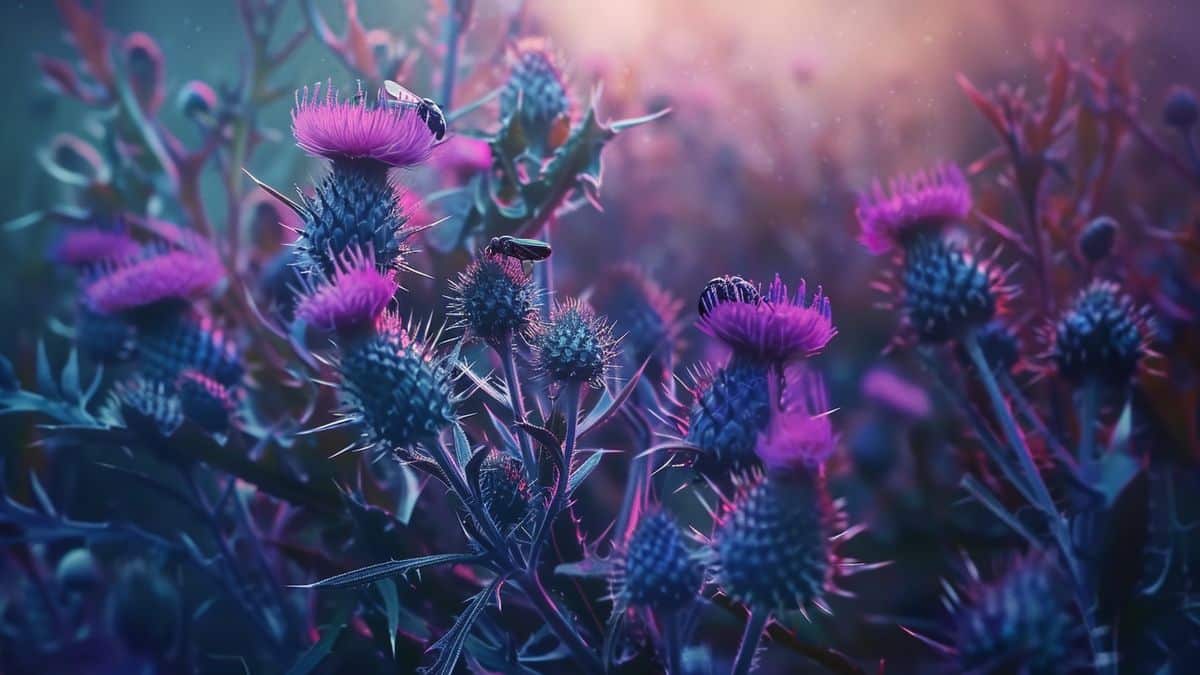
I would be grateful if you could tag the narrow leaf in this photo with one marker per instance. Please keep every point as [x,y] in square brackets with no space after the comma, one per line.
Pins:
[391,568]
[391,604]
[450,645]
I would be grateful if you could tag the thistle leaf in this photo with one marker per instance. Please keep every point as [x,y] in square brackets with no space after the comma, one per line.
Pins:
[391,568]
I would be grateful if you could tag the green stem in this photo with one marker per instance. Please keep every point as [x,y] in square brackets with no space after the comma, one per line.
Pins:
[755,623]
[559,623]
[516,401]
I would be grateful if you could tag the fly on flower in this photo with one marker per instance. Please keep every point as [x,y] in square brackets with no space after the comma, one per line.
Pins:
[426,108]
[528,251]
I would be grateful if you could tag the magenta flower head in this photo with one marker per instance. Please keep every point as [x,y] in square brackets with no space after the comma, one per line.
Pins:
[354,297]
[774,329]
[354,130]
[87,245]
[800,434]
[177,275]
[912,205]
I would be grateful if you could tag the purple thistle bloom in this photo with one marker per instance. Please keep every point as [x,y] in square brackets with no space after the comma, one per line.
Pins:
[896,394]
[800,434]
[392,135]
[355,296]
[177,275]
[914,204]
[86,245]
[777,329]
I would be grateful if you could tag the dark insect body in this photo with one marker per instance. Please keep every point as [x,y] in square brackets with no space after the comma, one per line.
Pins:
[525,250]
[727,289]
[427,109]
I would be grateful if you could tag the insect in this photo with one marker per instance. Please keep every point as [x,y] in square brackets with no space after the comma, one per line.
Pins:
[429,111]
[527,251]
[727,289]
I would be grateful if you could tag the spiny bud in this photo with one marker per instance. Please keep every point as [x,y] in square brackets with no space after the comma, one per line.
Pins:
[397,386]
[504,490]
[656,569]
[146,406]
[205,401]
[536,83]
[170,345]
[494,299]
[103,337]
[1102,337]
[575,346]
[947,290]
[773,548]
[730,410]
[354,210]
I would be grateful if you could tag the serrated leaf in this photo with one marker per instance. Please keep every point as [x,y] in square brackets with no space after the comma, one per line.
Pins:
[449,646]
[391,568]
[588,568]
[462,446]
[584,470]
[407,502]
[473,468]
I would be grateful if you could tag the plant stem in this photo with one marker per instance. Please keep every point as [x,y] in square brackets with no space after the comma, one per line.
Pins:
[516,401]
[559,623]
[755,623]
[672,641]
[458,484]
[570,404]
[450,65]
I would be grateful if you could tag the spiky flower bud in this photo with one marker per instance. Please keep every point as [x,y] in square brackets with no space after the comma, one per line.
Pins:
[146,610]
[504,490]
[575,346]
[646,314]
[656,571]
[494,299]
[205,401]
[535,83]
[147,406]
[398,388]
[1102,337]
[1181,109]
[171,344]
[772,548]
[731,408]
[353,210]
[1021,622]
[947,290]
[105,338]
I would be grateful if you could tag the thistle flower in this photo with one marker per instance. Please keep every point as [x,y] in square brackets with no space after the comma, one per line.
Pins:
[1021,621]
[381,134]
[948,291]
[205,401]
[171,276]
[503,489]
[654,569]
[730,408]
[171,344]
[1102,337]
[461,157]
[776,330]
[81,246]
[103,337]
[397,387]
[575,346]
[146,610]
[775,547]
[647,314]
[494,299]
[145,405]
[922,203]
[800,434]
[145,64]
[896,394]
[354,297]
[537,85]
